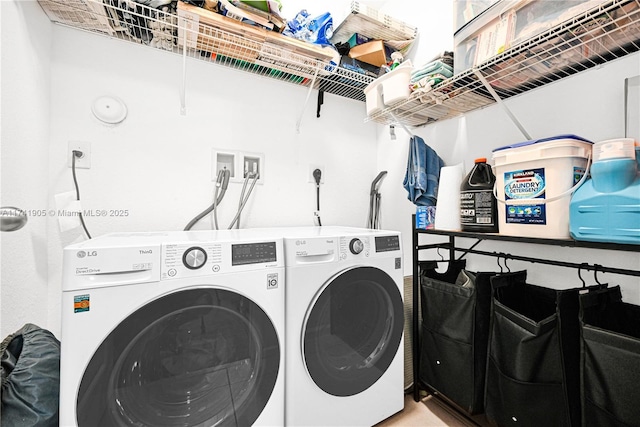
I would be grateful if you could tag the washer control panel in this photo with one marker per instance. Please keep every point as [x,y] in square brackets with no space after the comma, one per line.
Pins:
[196,259]
[253,253]
[181,260]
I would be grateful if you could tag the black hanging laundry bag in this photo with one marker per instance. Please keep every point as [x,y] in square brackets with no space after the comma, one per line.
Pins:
[610,347]
[533,374]
[30,378]
[455,329]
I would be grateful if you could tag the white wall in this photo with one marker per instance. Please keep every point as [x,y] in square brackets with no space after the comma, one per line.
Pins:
[26,37]
[589,104]
[157,163]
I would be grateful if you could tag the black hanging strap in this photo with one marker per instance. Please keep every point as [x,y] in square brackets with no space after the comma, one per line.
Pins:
[320,102]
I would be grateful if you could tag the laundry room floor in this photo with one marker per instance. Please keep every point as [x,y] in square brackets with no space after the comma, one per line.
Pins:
[430,412]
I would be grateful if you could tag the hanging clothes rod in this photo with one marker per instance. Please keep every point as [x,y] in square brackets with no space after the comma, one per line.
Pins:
[582,266]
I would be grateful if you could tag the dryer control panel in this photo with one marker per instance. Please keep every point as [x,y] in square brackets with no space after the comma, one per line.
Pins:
[387,243]
[355,247]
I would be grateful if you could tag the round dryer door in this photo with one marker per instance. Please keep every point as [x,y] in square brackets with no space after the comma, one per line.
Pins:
[353,331]
[198,357]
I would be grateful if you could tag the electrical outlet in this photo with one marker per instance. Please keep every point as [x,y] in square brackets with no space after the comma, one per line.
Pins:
[312,180]
[84,161]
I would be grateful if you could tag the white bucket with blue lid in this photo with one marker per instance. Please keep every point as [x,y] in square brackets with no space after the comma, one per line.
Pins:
[534,183]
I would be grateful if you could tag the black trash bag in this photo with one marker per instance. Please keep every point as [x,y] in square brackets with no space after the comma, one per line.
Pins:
[456,307]
[610,359]
[533,367]
[30,371]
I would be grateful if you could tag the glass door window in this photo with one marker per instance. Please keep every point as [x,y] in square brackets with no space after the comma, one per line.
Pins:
[199,357]
[353,331]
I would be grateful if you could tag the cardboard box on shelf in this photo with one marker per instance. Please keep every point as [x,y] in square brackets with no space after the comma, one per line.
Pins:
[372,53]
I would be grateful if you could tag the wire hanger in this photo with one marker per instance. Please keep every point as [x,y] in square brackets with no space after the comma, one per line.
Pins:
[505,263]
[584,264]
[595,273]
[499,265]
[441,257]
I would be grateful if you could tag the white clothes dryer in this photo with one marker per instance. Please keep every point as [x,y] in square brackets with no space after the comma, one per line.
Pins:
[173,329]
[344,326]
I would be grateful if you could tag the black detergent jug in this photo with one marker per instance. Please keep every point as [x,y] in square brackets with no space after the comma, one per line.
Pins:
[478,206]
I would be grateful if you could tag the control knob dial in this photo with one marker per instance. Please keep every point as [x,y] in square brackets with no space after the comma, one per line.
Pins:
[356,246]
[194,258]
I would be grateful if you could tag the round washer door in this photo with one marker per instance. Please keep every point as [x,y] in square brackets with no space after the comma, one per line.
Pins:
[353,331]
[197,357]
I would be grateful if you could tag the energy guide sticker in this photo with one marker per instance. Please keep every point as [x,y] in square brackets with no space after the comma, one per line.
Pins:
[81,303]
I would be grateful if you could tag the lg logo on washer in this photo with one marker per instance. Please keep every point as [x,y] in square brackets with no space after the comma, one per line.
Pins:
[82,254]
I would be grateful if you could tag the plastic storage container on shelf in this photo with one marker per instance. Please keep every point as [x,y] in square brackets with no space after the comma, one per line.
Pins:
[607,207]
[465,11]
[534,183]
[507,23]
[390,88]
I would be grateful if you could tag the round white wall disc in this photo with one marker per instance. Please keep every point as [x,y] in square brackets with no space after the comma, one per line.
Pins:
[109,109]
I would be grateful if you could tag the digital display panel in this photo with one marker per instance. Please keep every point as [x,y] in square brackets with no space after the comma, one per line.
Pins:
[387,243]
[253,253]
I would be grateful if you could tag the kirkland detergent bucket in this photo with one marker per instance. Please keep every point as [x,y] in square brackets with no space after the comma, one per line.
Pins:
[607,207]
[534,183]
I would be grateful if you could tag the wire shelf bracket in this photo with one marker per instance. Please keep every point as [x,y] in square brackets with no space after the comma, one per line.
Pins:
[501,103]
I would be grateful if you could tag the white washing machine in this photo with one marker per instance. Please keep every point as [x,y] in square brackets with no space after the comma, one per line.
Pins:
[173,329]
[344,325]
